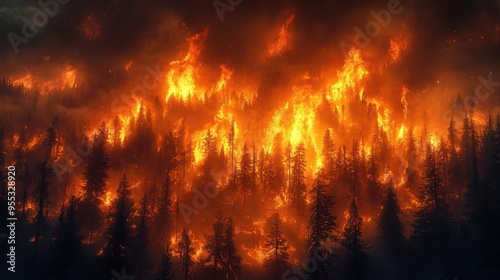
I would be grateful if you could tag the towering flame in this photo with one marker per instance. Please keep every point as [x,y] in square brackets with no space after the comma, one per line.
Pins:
[349,78]
[283,41]
[182,77]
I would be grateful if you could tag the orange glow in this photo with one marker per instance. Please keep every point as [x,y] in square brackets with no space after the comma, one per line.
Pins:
[65,80]
[128,65]
[349,78]
[404,102]
[181,78]
[225,76]
[257,254]
[25,81]
[91,27]
[397,46]
[108,199]
[283,41]
[33,142]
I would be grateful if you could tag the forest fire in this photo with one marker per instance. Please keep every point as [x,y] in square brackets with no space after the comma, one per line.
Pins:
[260,148]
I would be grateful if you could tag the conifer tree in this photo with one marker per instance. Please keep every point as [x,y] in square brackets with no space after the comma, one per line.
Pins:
[352,241]
[169,153]
[185,254]
[454,167]
[164,213]
[214,246]
[165,272]
[328,157]
[411,159]
[277,249]
[119,232]
[288,162]
[275,169]
[374,192]
[232,261]
[321,230]
[469,159]
[354,170]
[209,147]
[45,174]
[141,239]
[245,175]
[67,240]
[431,227]
[298,187]
[231,139]
[94,177]
[390,227]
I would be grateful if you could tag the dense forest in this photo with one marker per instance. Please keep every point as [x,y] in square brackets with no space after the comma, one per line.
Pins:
[254,214]
[250,139]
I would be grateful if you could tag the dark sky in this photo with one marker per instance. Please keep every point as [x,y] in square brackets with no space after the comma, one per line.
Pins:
[150,29]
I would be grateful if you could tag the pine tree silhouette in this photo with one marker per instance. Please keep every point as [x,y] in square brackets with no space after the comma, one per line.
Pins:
[390,226]
[277,249]
[67,240]
[42,195]
[298,187]
[431,227]
[328,157]
[163,215]
[245,176]
[119,232]
[321,231]
[165,272]
[140,248]
[352,241]
[232,261]
[374,192]
[454,167]
[94,177]
[214,246]
[185,254]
